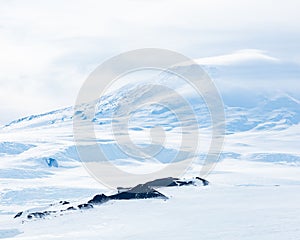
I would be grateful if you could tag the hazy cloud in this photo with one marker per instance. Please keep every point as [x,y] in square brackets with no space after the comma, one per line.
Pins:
[48,48]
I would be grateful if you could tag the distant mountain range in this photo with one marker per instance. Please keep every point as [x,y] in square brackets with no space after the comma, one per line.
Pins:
[270,118]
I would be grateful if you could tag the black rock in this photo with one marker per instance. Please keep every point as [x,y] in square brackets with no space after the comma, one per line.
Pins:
[18,214]
[139,192]
[39,214]
[184,183]
[163,182]
[48,212]
[173,182]
[70,208]
[205,182]
[64,202]
[98,199]
[85,206]
[36,215]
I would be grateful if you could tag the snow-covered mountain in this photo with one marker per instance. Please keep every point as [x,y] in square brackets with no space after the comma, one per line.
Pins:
[276,116]
[40,166]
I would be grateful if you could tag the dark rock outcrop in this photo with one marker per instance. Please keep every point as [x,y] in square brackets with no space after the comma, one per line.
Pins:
[70,208]
[36,215]
[52,162]
[18,214]
[167,182]
[205,182]
[141,191]
[98,199]
[39,214]
[85,206]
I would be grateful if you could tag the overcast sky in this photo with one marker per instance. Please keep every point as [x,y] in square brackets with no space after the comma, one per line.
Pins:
[48,48]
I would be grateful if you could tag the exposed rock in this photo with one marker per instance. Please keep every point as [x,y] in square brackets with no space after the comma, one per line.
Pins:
[36,215]
[64,202]
[18,214]
[205,182]
[85,206]
[52,162]
[70,208]
[48,212]
[163,182]
[141,191]
[40,214]
[98,199]
[168,182]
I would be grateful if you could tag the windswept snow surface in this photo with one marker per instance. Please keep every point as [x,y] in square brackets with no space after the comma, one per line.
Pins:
[254,191]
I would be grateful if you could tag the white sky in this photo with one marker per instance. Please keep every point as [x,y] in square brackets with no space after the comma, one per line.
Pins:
[48,48]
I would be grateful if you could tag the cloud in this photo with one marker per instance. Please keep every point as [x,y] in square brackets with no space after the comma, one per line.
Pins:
[49,48]
[238,57]
[242,77]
